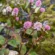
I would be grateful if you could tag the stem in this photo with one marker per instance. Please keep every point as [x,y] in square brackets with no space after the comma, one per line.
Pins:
[12,25]
[27,53]
[20,47]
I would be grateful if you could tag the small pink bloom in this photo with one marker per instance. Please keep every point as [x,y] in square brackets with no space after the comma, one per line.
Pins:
[37,26]
[17,18]
[42,9]
[31,1]
[27,24]
[38,3]
[47,27]
[15,11]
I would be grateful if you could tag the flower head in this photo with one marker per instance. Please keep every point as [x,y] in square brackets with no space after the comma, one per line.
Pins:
[27,24]
[37,26]
[42,9]
[47,27]
[31,1]
[17,18]
[15,11]
[8,9]
[38,3]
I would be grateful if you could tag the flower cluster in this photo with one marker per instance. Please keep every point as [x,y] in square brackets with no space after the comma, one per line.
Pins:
[8,9]
[38,4]
[37,26]
[42,9]
[17,18]
[27,24]
[47,27]
[15,11]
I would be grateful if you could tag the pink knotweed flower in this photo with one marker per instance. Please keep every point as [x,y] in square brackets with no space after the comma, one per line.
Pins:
[38,3]
[8,9]
[42,9]
[17,18]
[27,24]
[15,11]
[31,1]
[47,27]
[37,26]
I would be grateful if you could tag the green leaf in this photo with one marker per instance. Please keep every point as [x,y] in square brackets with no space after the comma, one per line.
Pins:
[1,27]
[17,36]
[33,53]
[23,49]
[32,17]
[4,51]
[28,10]
[35,34]
[27,4]
[29,31]
[2,18]
[2,40]
[8,22]
[18,39]
[13,43]
[17,30]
